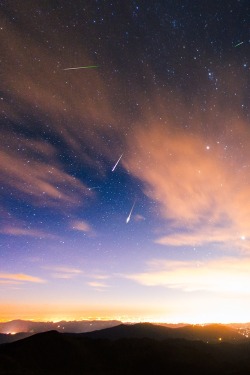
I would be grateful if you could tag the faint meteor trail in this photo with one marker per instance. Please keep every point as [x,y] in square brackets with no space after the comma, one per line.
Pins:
[129,216]
[82,67]
[239,44]
[94,187]
[116,163]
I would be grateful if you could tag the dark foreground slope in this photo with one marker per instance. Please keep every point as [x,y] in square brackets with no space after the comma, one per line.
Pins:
[72,354]
[7,338]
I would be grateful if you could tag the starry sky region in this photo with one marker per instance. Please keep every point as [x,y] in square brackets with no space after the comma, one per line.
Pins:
[164,235]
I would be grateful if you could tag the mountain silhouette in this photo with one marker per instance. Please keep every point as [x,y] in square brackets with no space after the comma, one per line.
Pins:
[54,353]
[208,333]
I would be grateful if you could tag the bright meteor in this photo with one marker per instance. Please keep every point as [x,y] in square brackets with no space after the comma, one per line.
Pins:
[83,67]
[116,163]
[129,216]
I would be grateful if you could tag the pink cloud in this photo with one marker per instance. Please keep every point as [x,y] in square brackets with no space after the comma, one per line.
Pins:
[224,275]
[195,186]
[21,277]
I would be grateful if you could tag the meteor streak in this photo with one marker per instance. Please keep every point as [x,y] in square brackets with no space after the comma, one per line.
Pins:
[239,44]
[116,163]
[129,216]
[82,67]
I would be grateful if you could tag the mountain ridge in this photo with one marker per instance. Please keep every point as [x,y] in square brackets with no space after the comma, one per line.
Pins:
[211,333]
[54,353]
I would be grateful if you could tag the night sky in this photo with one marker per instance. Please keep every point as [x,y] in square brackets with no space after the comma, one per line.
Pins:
[164,235]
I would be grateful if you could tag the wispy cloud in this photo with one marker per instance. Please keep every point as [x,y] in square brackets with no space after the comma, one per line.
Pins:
[62,272]
[100,276]
[195,182]
[206,235]
[98,285]
[19,277]
[12,225]
[20,231]
[81,226]
[224,275]
[40,182]
[139,217]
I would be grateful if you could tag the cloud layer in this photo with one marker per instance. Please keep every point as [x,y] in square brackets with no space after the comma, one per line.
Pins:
[200,184]
[19,278]
[224,275]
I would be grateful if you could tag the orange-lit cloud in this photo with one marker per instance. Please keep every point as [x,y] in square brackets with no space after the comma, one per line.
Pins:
[13,226]
[82,226]
[139,218]
[100,277]
[224,275]
[191,173]
[97,284]
[195,181]
[20,231]
[21,277]
[206,236]
[42,183]
[198,176]
[62,272]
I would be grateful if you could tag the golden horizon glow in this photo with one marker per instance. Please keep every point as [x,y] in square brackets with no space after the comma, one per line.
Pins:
[216,317]
[125,320]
